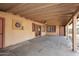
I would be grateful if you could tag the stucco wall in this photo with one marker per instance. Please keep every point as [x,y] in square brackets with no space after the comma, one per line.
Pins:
[13,36]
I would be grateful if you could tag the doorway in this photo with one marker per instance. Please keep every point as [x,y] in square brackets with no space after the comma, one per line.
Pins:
[61,30]
[37,30]
[1,32]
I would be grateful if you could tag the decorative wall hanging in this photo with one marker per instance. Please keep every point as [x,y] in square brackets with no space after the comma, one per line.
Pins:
[17,24]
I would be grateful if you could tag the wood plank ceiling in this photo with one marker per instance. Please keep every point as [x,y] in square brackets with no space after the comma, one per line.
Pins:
[42,12]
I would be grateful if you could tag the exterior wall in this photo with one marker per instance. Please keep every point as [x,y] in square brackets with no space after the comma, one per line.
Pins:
[13,36]
[57,23]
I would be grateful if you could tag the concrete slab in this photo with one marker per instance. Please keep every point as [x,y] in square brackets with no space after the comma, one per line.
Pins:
[43,46]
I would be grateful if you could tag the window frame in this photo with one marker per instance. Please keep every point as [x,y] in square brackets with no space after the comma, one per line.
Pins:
[51,28]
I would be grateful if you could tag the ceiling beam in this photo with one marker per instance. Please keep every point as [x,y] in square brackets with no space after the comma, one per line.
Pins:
[11,6]
[47,17]
[35,20]
[13,9]
[41,7]
[51,15]
[64,12]
[38,21]
[76,13]
[57,8]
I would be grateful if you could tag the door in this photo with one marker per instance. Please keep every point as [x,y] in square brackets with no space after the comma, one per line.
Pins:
[1,33]
[61,30]
[36,30]
[39,30]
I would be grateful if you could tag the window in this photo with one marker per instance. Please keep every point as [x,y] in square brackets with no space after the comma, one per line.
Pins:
[51,28]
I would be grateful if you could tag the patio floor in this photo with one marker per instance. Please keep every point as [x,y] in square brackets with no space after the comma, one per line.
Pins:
[41,46]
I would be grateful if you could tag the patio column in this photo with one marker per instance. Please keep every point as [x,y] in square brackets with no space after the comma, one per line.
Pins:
[67,31]
[74,42]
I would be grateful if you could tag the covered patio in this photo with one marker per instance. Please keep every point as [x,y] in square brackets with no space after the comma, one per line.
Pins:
[38,29]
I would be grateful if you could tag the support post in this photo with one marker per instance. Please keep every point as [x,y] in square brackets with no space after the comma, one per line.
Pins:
[67,31]
[74,42]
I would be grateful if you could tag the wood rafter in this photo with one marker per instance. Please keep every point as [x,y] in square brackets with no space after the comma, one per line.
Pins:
[41,7]
[74,14]
[42,12]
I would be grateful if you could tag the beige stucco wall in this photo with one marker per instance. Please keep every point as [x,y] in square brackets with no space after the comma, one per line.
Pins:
[13,36]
